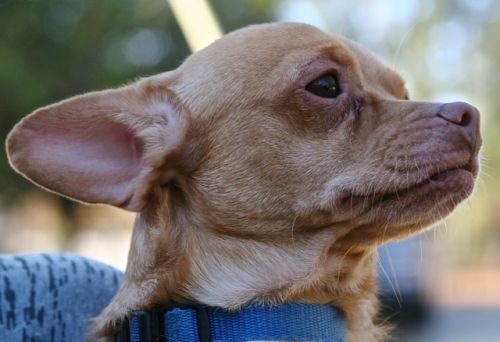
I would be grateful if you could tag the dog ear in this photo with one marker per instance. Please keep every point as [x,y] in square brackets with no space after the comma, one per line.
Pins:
[108,147]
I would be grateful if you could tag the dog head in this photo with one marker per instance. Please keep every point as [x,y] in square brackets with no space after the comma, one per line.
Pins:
[255,164]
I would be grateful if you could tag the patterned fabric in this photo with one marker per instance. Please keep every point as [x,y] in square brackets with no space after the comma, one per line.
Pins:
[51,297]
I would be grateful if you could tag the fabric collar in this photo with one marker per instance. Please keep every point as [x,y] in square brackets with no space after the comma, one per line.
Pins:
[289,322]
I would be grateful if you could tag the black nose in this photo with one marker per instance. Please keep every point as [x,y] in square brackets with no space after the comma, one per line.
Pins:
[462,114]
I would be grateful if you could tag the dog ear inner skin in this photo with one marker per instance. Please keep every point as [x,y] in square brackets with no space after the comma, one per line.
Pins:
[102,147]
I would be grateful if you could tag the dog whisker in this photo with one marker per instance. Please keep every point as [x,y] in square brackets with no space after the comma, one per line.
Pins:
[390,284]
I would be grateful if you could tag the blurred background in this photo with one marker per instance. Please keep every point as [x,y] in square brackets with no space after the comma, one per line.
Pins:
[442,286]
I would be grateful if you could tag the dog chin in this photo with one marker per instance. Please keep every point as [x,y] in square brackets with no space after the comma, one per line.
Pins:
[419,205]
[427,202]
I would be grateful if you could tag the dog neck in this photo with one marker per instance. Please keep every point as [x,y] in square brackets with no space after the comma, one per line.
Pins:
[230,272]
[187,262]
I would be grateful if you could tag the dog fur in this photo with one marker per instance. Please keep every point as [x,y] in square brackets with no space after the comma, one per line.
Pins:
[248,187]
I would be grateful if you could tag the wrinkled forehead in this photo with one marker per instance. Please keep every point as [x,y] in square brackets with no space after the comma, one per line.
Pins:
[249,58]
[262,48]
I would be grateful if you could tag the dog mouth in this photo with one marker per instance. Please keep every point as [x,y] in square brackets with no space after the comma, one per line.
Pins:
[457,180]
[445,182]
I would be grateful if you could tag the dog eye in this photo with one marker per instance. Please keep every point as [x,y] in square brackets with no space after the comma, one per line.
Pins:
[324,86]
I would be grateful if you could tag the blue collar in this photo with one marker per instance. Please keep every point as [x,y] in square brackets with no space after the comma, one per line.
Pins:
[290,322]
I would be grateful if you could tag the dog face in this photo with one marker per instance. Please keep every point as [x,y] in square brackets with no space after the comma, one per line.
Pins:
[363,156]
[268,166]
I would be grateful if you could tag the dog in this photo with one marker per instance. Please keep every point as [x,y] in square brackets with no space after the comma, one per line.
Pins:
[268,167]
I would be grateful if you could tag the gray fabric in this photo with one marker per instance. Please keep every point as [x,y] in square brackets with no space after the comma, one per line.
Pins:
[51,297]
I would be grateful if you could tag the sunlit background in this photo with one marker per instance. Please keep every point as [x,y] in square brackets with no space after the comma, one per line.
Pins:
[446,50]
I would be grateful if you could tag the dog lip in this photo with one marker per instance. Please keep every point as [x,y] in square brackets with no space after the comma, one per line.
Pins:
[446,180]
[443,180]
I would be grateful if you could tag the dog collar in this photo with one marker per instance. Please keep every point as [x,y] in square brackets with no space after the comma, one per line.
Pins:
[289,322]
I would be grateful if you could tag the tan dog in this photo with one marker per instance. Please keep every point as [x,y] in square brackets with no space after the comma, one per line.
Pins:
[268,167]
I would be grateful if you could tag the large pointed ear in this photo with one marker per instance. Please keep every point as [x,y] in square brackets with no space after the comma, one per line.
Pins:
[107,147]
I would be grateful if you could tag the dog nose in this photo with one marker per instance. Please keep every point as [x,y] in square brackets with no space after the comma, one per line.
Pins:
[462,114]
